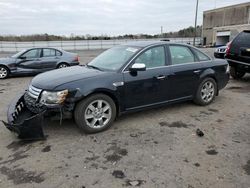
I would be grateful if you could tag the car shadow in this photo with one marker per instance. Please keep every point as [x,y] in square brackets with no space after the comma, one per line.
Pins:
[68,127]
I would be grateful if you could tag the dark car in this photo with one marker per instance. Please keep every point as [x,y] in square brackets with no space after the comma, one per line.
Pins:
[238,55]
[36,60]
[122,79]
[220,52]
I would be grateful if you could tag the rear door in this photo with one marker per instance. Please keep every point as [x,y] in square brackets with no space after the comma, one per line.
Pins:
[49,58]
[30,60]
[185,72]
[147,87]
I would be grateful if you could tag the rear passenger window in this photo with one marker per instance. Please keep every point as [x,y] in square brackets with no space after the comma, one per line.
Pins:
[49,52]
[181,55]
[201,56]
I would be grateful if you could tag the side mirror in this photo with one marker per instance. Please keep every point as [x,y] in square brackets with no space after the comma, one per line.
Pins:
[22,57]
[137,67]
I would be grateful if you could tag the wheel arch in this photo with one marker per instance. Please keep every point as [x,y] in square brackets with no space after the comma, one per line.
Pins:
[2,65]
[210,73]
[105,92]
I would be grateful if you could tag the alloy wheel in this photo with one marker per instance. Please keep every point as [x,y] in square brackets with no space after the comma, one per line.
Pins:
[3,72]
[98,114]
[62,66]
[207,91]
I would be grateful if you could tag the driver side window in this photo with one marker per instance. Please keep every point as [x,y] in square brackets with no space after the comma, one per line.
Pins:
[31,54]
[154,57]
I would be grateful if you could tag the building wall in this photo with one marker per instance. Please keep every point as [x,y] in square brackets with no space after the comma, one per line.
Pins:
[233,18]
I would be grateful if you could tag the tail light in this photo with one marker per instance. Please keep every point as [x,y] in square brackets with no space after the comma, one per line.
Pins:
[77,58]
[228,48]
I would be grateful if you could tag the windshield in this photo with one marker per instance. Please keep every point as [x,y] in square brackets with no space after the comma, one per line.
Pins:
[18,54]
[114,58]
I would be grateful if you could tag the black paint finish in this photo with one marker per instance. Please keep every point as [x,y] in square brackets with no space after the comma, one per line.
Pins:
[136,90]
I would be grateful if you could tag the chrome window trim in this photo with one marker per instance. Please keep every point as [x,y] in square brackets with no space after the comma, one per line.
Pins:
[123,70]
[196,62]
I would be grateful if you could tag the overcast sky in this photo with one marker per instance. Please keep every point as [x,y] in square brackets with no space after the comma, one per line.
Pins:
[95,17]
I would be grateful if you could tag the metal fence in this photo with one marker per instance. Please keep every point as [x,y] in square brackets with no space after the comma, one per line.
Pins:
[7,46]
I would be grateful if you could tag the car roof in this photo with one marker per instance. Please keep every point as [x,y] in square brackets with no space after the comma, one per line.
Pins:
[43,48]
[143,44]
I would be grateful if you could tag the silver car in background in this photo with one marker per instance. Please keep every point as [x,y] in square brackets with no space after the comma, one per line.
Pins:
[36,60]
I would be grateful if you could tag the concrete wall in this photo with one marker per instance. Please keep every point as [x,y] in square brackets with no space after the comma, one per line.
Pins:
[233,18]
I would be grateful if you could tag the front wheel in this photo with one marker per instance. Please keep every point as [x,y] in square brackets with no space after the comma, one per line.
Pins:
[235,73]
[206,92]
[4,72]
[95,113]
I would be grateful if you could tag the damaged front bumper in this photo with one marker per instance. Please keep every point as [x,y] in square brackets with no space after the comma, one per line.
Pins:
[26,124]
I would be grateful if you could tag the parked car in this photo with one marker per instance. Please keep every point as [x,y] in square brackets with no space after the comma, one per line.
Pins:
[122,79]
[220,52]
[36,60]
[238,55]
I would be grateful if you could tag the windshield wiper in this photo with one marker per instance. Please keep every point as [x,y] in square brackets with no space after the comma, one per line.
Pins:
[94,67]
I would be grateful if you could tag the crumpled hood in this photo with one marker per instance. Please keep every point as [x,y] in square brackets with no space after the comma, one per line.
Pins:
[52,79]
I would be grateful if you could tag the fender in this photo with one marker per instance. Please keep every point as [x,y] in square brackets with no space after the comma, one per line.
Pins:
[208,73]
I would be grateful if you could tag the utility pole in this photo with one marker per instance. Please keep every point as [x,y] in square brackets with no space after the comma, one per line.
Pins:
[195,25]
[161,31]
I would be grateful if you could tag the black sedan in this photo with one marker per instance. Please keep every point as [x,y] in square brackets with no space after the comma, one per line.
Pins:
[125,78]
[36,60]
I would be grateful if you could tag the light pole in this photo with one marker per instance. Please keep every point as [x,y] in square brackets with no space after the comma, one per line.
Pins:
[195,24]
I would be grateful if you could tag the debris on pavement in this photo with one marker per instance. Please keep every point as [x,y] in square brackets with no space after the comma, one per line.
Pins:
[135,182]
[118,174]
[46,149]
[199,133]
[212,152]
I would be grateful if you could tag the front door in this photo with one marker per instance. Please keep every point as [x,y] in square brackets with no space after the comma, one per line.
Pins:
[30,60]
[147,87]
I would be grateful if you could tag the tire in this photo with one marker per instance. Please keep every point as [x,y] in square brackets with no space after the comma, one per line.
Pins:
[4,72]
[62,65]
[236,74]
[206,92]
[92,118]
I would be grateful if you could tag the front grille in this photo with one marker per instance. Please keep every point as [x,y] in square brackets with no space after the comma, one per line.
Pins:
[32,104]
[34,92]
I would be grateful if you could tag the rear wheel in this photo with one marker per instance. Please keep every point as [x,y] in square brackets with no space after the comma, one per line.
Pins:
[62,65]
[235,73]
[206,92]
[95,113]
[4,72]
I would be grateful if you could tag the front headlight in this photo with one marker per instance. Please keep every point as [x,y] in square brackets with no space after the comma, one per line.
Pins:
[58,97]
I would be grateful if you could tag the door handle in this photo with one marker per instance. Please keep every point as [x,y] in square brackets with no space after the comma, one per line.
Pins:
[197,71]
[160,77]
